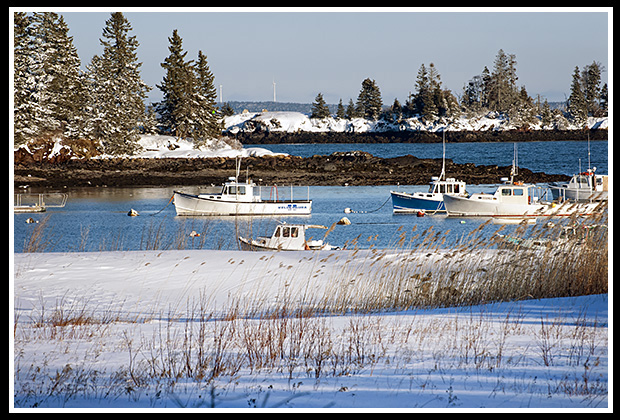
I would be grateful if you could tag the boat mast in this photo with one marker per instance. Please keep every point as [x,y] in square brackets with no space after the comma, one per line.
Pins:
[443,164]
[515,163]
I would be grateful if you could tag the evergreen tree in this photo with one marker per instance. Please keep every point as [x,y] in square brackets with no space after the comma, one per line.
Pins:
[591,80]
[576,101]
[117,90]
[604,100]
[208,123]
[546,116]
[24,105]
[502,83]
[369,100]
[396,111]
[226,110]
[351,110]
[173,86]
[319,107]
[340,112]
[49,93]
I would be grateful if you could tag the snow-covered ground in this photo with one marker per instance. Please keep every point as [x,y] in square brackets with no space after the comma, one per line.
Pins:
[180,329]
[292,122]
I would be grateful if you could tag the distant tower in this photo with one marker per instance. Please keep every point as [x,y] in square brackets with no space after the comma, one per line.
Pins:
[274,90]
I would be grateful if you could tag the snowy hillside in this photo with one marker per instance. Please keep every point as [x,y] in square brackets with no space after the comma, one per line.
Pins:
[292,122]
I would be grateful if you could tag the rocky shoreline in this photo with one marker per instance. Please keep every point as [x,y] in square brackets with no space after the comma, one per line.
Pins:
[341,168]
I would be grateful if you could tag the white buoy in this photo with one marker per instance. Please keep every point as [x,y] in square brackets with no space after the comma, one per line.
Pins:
[132,213]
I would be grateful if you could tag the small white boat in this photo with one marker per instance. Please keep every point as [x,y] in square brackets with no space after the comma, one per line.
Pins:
[585,186]
[287,237]
[431,201]
[239,199]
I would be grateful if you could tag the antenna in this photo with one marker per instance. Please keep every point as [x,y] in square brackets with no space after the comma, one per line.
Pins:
[274,90]
[221,94]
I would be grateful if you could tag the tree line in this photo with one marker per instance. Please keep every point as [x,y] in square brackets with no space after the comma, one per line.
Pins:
[53,97]
[491,91]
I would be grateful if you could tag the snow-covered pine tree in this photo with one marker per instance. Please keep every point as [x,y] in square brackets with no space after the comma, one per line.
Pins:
[208,122]
[24,105]
[351,112]
[591,81]
[319,107]
[340,112]
[175,87]
[369,101]
[576,101]
[117,92]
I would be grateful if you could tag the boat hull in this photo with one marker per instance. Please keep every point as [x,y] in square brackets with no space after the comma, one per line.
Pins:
[477,207]
[194,205]
[412,203]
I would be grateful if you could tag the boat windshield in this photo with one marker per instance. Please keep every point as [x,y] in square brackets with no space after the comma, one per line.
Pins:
[286,232]
[234,189]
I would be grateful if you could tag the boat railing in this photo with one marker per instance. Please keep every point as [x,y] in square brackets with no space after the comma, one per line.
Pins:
[42,200]
[284,193]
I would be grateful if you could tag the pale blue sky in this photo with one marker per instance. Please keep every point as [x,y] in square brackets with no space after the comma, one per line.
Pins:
[307,52]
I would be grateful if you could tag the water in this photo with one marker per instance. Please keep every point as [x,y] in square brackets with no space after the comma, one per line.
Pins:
[95,219]
[552,157]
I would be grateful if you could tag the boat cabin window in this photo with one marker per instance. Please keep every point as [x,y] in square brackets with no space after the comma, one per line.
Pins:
[287,232]
[234,190]
[512,191]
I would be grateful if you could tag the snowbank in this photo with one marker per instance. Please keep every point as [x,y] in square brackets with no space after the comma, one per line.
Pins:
[292,122]
[156,349]
[156,146]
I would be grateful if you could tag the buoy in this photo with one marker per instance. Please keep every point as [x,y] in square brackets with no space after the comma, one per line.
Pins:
[347,210]
[31,220]
[132,213]
[462,222]
[421,213]
[343,221]
[194,233]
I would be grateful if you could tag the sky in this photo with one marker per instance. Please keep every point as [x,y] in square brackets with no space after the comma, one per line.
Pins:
[331,51]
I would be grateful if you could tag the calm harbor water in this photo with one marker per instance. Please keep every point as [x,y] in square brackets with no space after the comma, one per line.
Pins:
[95,219]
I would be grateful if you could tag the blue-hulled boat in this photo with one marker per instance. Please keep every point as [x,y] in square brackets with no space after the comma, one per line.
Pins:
[431,201]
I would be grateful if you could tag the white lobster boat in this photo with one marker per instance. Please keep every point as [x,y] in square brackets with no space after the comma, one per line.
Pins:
[239,199]
[287,237]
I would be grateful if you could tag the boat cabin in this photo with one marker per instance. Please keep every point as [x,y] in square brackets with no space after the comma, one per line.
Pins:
[447,186]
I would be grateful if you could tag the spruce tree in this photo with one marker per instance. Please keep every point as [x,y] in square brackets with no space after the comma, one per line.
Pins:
[319,107]
[369,101]
[116,89]
[24,105]
[351,111]
[576,101]
[340,112]
[176,86]
[208,123]
[49,93]
[591,80]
